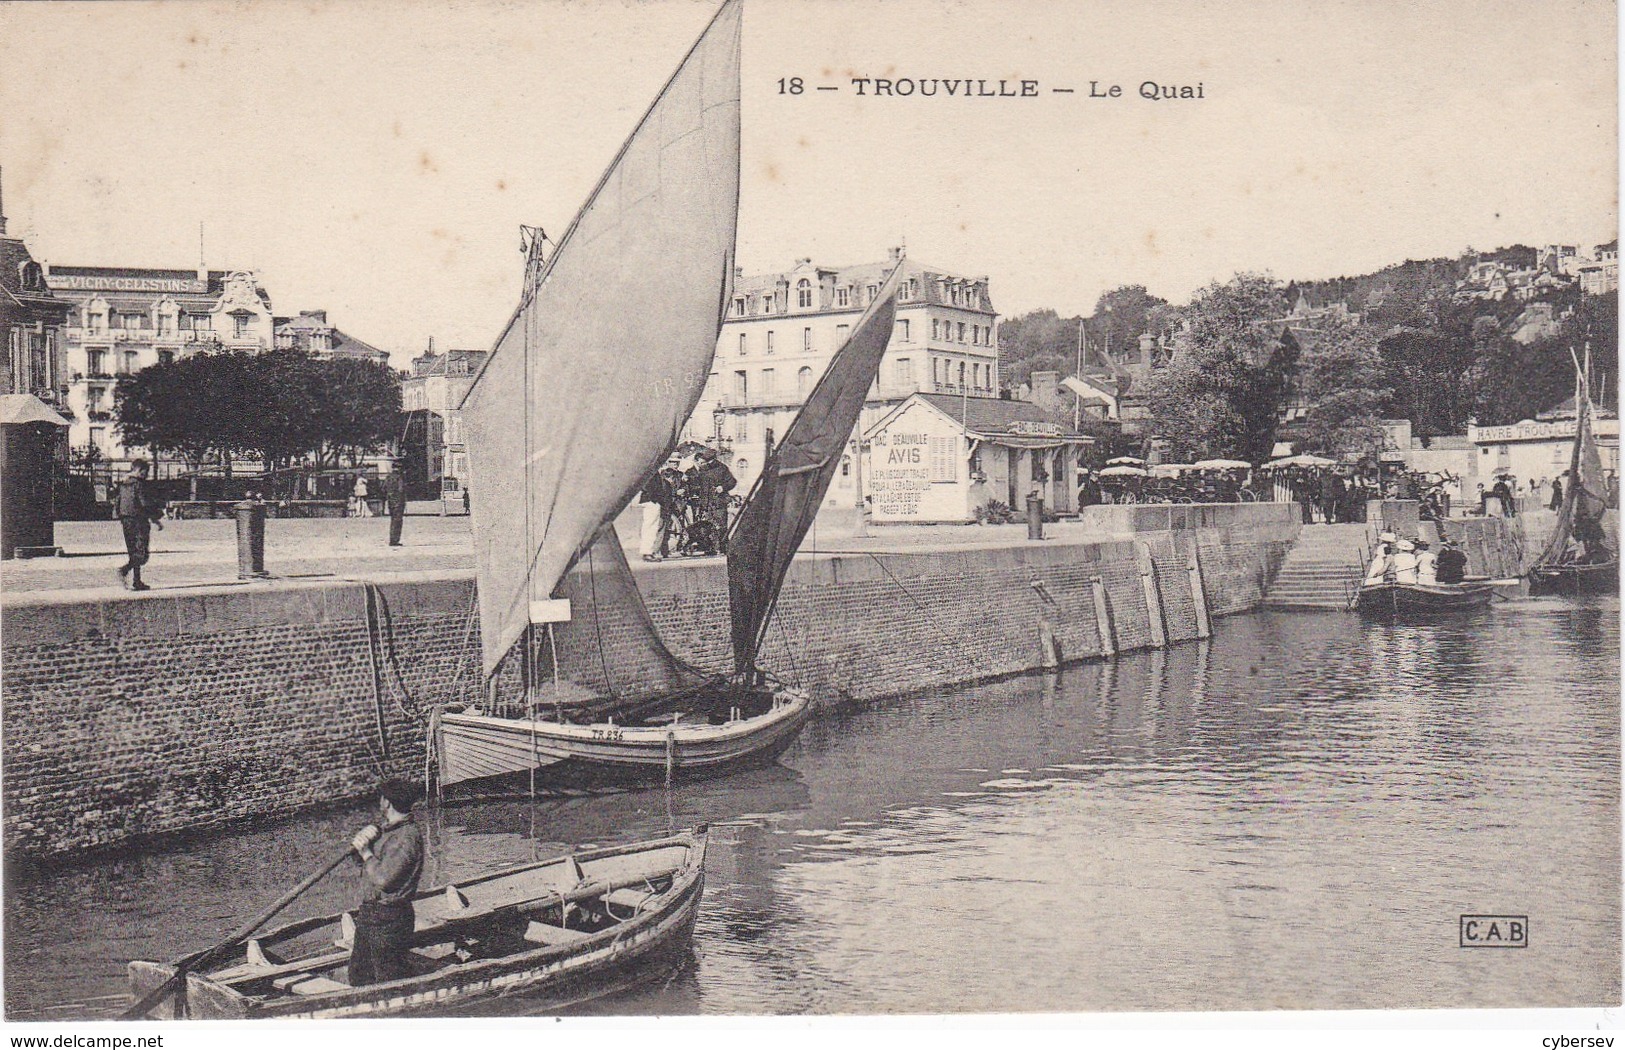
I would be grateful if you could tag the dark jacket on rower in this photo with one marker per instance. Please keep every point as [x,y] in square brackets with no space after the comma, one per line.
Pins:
[385,921]
[1451,566]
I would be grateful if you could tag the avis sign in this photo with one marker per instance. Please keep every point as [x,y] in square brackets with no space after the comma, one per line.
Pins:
[1495,931]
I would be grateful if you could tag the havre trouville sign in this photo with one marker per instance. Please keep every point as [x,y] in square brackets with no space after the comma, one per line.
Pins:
[952,87]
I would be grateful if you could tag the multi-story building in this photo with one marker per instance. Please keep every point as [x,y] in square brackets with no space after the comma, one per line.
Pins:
[782,329]
[1602,276]
[30,319]
[312,333]
[434,456]
[123,319]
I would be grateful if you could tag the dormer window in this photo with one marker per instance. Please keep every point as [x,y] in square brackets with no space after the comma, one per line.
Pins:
[804,294]
[843,296]
[739,306]
[873,290]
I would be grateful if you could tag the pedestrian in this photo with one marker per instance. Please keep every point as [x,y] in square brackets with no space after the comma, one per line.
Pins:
[391,856]
[654,496]
[1557,492]
[359,507]
[138,513]
[395,500]
[465,500]
[716,481]
[1451,566]
[1333,495]
[1611,488]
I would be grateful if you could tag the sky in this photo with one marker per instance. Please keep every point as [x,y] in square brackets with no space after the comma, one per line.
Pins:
[376,159]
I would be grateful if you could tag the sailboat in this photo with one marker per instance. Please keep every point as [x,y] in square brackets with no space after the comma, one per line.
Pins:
[583,398]
[1578,559]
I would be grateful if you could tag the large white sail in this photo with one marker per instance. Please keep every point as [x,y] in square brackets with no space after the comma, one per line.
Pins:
[607,355]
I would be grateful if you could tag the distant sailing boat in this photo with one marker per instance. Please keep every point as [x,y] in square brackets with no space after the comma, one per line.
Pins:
[1578,558]
[584,397]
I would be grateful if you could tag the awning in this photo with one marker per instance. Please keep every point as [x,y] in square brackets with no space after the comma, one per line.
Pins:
[26,408]
[1024,441]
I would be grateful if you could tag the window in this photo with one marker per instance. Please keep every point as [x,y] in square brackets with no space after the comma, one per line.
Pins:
[936,370]
[166,357]
[243,326]
[806,340]
[940,457]
[910,289]
[803,381]
[902,330]
[98,438]
[843,296]
[873,290]
[846,466]
[130,367]
[936,328]
[767,380]
[961,373]
[741,384]
[742,344]
[739,306]
[842,332]
[96,362]
[905,371]
[962,331]
[770,340]
[804,294]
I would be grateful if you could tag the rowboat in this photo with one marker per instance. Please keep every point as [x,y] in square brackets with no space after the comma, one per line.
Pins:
[1388,600]
[556,932]
[1601,577]
[471,745]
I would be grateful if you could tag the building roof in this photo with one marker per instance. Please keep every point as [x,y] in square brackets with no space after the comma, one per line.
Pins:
[861,274]
[995,417]
[433,364]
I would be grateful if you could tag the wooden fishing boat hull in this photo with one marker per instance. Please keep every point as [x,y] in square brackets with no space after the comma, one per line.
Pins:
[1598,578]
[548,977]
[1418,600]
[472,746]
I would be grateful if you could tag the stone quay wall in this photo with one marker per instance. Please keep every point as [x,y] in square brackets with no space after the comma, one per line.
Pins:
[140,717]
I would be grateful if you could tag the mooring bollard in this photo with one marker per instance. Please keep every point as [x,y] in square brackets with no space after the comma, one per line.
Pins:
[1035,517]
[250,540]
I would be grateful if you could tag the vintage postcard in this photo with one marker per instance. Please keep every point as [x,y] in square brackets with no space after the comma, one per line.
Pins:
[701,508]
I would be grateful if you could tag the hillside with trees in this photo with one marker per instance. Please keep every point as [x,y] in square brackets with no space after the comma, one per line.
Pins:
[1418,351]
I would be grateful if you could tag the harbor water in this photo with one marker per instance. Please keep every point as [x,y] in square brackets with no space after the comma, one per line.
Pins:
[1292,815]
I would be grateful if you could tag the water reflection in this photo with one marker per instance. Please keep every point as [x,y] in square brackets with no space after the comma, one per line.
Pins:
[1292,814]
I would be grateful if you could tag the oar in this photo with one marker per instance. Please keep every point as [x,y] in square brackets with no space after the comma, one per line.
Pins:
[198,960]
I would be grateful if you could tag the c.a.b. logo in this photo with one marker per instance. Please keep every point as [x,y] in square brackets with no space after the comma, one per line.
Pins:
[1495,931]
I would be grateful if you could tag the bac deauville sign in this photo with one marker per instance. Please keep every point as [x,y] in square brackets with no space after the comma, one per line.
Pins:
[1495,931]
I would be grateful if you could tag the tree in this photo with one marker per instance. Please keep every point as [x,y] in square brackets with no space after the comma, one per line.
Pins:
[1036,342]
[1339,379]
[1222,393]
[278,406]
[1121,316]
[1427,374]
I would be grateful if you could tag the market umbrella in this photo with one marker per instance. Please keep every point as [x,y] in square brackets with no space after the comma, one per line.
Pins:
[1300,460]
[1122,472]
[1169,470]
[1222,464]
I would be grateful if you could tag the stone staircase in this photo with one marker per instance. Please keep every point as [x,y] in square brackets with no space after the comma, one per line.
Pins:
[1321,569]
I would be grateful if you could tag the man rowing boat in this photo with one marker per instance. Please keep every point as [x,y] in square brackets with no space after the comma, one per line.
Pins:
[391,858]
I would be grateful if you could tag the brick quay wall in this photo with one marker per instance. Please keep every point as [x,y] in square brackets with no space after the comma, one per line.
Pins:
[140,717]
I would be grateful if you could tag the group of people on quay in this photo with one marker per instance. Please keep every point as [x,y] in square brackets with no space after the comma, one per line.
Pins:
[1507,491]
[1414,561]
[686,506]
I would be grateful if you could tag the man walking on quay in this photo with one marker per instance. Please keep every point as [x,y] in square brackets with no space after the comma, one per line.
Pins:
[391,856]
[137,512]
[395,500]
